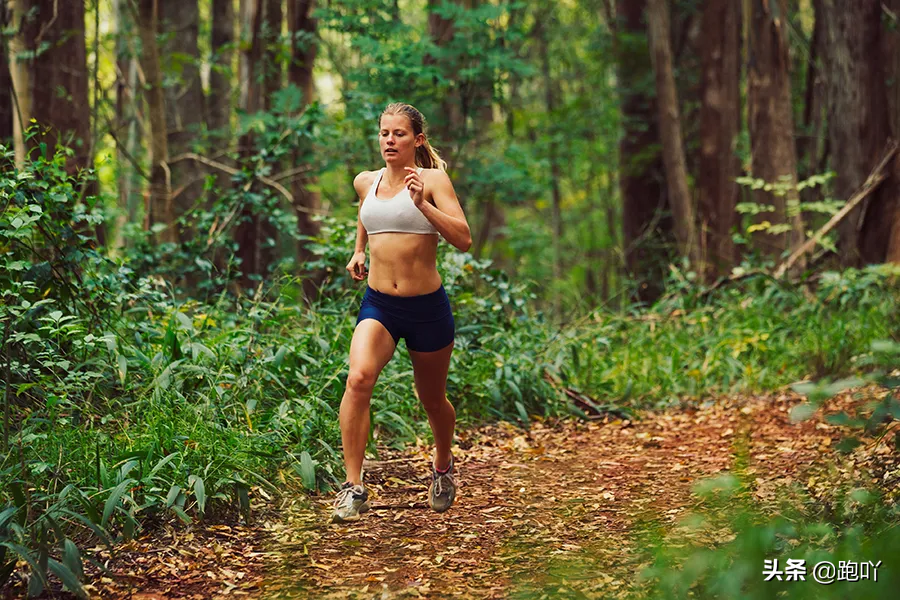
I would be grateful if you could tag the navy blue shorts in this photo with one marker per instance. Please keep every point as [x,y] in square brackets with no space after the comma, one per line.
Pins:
[425,322]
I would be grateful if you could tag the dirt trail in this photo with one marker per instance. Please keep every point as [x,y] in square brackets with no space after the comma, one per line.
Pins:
[560,510]
[552,510]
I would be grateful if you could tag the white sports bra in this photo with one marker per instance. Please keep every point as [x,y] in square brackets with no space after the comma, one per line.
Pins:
[398,214]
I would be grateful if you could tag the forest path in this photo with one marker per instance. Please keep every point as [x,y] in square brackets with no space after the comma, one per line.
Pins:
[556,510]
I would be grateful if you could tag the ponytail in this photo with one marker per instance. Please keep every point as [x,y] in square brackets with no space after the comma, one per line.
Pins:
[426,156]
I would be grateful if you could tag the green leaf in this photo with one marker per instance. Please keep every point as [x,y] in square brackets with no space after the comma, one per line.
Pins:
[185,518]
[162,463]
[802,412]
[27,557]
[307,471]
[199,493]
[72,558]
[847,445]
[279,356]
[172,496]
[523,414]
[67,577]
[123,368]
[113,500]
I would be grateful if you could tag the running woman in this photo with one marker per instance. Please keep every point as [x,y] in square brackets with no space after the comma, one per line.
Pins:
[404,208]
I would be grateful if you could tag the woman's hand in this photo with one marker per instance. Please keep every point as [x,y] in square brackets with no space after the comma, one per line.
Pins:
[416,186]
[357,266]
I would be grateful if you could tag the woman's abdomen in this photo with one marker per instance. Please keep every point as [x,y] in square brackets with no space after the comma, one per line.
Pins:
[403,264]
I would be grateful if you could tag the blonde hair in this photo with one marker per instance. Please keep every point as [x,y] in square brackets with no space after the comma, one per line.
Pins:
[426,156]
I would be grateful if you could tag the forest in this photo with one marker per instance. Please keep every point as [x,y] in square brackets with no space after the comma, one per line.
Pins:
[677,326]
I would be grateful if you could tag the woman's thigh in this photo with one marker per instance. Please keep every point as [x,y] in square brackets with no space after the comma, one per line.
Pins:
[371,348]
[430,371]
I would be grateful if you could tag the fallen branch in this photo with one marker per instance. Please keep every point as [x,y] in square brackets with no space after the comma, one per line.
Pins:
[872,182]
[261,178]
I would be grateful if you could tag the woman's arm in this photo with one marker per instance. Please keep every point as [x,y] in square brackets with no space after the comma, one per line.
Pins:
[445,214]
[357,264]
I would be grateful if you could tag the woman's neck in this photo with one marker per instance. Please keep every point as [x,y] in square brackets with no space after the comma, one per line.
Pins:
[395,174]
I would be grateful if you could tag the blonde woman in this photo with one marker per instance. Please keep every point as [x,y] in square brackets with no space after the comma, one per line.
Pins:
[404,208]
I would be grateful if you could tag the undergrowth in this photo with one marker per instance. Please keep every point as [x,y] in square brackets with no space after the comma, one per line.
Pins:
[128,400]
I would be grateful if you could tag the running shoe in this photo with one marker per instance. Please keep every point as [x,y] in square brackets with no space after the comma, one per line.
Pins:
[351,502]
[442,492]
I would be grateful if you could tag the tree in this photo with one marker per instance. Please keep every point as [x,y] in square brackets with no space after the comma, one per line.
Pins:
[6,99]
[891,50]
[179,23]
[247,234]
[222,45]
[774,156]
[720,122]
[304,46]
[859,124]
[670,132]
[53,34]
[646,228]
[159,209]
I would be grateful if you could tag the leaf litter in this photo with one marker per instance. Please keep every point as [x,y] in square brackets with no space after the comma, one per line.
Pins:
[551,511]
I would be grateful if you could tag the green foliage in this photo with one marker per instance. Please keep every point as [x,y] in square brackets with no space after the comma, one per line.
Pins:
[719,551]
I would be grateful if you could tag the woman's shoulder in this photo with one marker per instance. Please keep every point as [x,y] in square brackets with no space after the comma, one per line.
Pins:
[364,180]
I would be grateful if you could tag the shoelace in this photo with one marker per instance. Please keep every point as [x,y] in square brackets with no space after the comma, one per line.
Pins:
[439,482]
[344,498]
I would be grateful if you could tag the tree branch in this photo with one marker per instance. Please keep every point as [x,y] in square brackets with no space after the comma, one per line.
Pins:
[873,181]
[261,178]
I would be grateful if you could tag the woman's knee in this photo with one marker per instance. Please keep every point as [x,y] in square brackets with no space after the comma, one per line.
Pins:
[361,381]
[434,403]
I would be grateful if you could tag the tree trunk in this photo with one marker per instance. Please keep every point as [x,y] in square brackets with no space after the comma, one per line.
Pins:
[670,132]
[20,74]
[247,233]
[858,123]
[450,123]
[891,53]
[646,229]
[55,32]
[126,119]
[774,157]
[303,28]
[179,22]
[222,43]
[6,100]
[720,122]
[159,209]
[551,94]
[271,66]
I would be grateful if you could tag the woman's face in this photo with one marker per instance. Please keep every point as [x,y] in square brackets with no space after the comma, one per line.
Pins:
[397,141]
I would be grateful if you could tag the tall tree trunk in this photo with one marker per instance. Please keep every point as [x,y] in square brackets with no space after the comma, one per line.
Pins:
[271,66]
[303,31]
[670,132]
[20,74]
[179,22]
[126,118]
[772,123]
[720,122]
[6,100]
[55,32]
[159,208]
[222,45]
[811,142]
[551,95]
[247,233]
[891,52]
[646,231]
[450,123]
[858,123]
